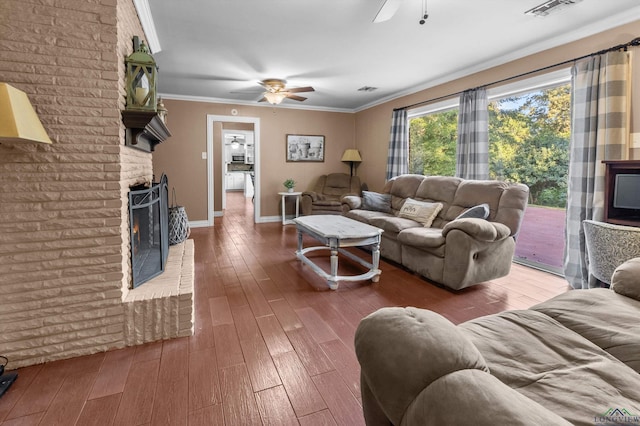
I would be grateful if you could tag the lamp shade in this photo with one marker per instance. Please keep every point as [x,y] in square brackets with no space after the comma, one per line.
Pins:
[351,155]
[18,120]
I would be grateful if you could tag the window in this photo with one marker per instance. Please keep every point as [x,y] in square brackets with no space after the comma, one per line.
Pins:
[529,133]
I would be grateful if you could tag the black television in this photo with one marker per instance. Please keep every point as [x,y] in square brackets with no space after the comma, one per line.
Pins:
[626,191]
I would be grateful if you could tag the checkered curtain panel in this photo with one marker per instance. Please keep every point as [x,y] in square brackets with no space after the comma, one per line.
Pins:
[600,117]
[398,159]
[473,135]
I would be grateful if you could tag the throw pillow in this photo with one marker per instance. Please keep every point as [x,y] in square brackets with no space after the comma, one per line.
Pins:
[420,211]
[376,202]
[481,211]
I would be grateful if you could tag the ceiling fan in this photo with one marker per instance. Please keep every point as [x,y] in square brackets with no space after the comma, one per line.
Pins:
[276,91]
[387,10]
[390,7]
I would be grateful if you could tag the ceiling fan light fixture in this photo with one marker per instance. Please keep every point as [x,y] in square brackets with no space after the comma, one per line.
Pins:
[274,98]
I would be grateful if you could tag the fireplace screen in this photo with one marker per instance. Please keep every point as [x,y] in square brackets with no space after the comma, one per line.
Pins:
[149,230]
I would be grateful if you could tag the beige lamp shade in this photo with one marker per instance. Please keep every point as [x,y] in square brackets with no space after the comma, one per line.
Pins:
[18,120]
[352,155]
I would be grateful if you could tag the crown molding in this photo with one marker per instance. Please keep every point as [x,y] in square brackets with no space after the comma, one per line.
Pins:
[149,27]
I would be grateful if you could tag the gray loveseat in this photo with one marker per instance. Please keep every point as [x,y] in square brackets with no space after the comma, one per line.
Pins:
[454,252]
[574,359]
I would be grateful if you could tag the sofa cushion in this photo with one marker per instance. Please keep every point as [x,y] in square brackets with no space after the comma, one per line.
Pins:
[481,211]
[376,201]
[391,223]
[424,238]
[554,366]
[420,211]
[365,216]
[325,203]
[602,316]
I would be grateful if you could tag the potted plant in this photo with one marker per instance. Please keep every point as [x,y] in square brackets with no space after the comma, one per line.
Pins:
[289,184]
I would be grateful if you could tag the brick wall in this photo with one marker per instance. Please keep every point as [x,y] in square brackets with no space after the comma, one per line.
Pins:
[64,245]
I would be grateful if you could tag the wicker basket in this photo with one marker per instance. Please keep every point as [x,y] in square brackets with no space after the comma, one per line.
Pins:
[178,222]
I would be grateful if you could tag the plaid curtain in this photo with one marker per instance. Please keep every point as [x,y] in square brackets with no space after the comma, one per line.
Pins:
[600,116]
[398,159]
[473,135]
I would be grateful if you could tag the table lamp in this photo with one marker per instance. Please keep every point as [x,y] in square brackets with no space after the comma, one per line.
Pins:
[352,156]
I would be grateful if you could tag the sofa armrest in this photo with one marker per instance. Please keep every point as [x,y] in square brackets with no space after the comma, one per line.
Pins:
[626,279]
[475,397]
[311,194]
[401,351]
[351,202]
[480,229]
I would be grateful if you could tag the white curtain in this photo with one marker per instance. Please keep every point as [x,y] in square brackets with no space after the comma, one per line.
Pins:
[600,115]
[473,135]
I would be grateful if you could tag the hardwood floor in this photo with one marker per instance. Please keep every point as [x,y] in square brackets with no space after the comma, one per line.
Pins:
[272,344]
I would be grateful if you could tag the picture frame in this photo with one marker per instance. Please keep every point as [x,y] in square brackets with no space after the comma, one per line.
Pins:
[309,148]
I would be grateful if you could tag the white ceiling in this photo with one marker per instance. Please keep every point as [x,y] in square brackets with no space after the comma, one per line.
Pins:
[218,50]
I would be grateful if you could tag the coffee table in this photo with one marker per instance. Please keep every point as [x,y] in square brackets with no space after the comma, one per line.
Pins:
[337,232]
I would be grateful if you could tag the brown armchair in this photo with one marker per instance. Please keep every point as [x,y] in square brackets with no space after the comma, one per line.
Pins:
[325,197]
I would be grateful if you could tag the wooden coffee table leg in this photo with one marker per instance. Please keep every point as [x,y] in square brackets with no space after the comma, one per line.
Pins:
[333,245]
[375,260]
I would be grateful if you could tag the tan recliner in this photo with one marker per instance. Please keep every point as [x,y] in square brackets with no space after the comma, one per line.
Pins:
[325,196]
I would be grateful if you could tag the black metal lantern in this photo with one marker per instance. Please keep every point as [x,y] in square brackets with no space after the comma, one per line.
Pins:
[141,78]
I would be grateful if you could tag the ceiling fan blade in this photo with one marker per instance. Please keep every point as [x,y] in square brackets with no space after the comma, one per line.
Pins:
[296,97]
[301,89]
[263,99]
[388,9]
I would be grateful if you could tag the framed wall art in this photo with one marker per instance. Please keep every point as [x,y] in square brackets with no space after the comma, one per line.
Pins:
[305,148]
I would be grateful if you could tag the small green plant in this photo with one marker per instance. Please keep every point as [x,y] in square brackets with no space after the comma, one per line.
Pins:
[289,183]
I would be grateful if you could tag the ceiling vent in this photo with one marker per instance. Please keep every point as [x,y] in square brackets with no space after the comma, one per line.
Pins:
[550,6]
[367,89]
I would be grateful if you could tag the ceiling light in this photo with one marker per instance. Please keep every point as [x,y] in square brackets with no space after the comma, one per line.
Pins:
[274,98]
[550,6]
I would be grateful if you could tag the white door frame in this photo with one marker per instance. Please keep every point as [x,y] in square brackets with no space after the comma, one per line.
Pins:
[211,119]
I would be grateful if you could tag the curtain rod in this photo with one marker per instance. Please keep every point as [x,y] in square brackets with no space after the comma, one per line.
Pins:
[633,43]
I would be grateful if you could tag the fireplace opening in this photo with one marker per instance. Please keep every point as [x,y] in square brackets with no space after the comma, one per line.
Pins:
[149,230]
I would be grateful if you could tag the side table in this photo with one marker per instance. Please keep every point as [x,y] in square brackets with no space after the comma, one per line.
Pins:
[284,196]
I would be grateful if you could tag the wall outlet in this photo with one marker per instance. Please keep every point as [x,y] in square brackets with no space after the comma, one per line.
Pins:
[635,140]
[204,155]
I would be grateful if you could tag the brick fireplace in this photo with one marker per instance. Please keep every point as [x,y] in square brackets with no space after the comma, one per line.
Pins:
[65,267]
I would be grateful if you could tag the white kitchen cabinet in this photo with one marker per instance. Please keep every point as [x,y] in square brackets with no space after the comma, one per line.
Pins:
[235,181]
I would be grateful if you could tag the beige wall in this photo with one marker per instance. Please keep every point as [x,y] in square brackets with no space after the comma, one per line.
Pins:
[373,124]
[180,157]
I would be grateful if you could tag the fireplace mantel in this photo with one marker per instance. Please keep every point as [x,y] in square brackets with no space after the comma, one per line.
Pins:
[145,129]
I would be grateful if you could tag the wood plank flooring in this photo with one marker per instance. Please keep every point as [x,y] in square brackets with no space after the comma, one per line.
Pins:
[272,344]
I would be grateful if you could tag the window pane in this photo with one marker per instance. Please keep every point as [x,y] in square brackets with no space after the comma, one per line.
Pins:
[529,143]
[432,143]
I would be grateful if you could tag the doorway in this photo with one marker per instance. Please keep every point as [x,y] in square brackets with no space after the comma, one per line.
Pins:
[238,161]
[215,144]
